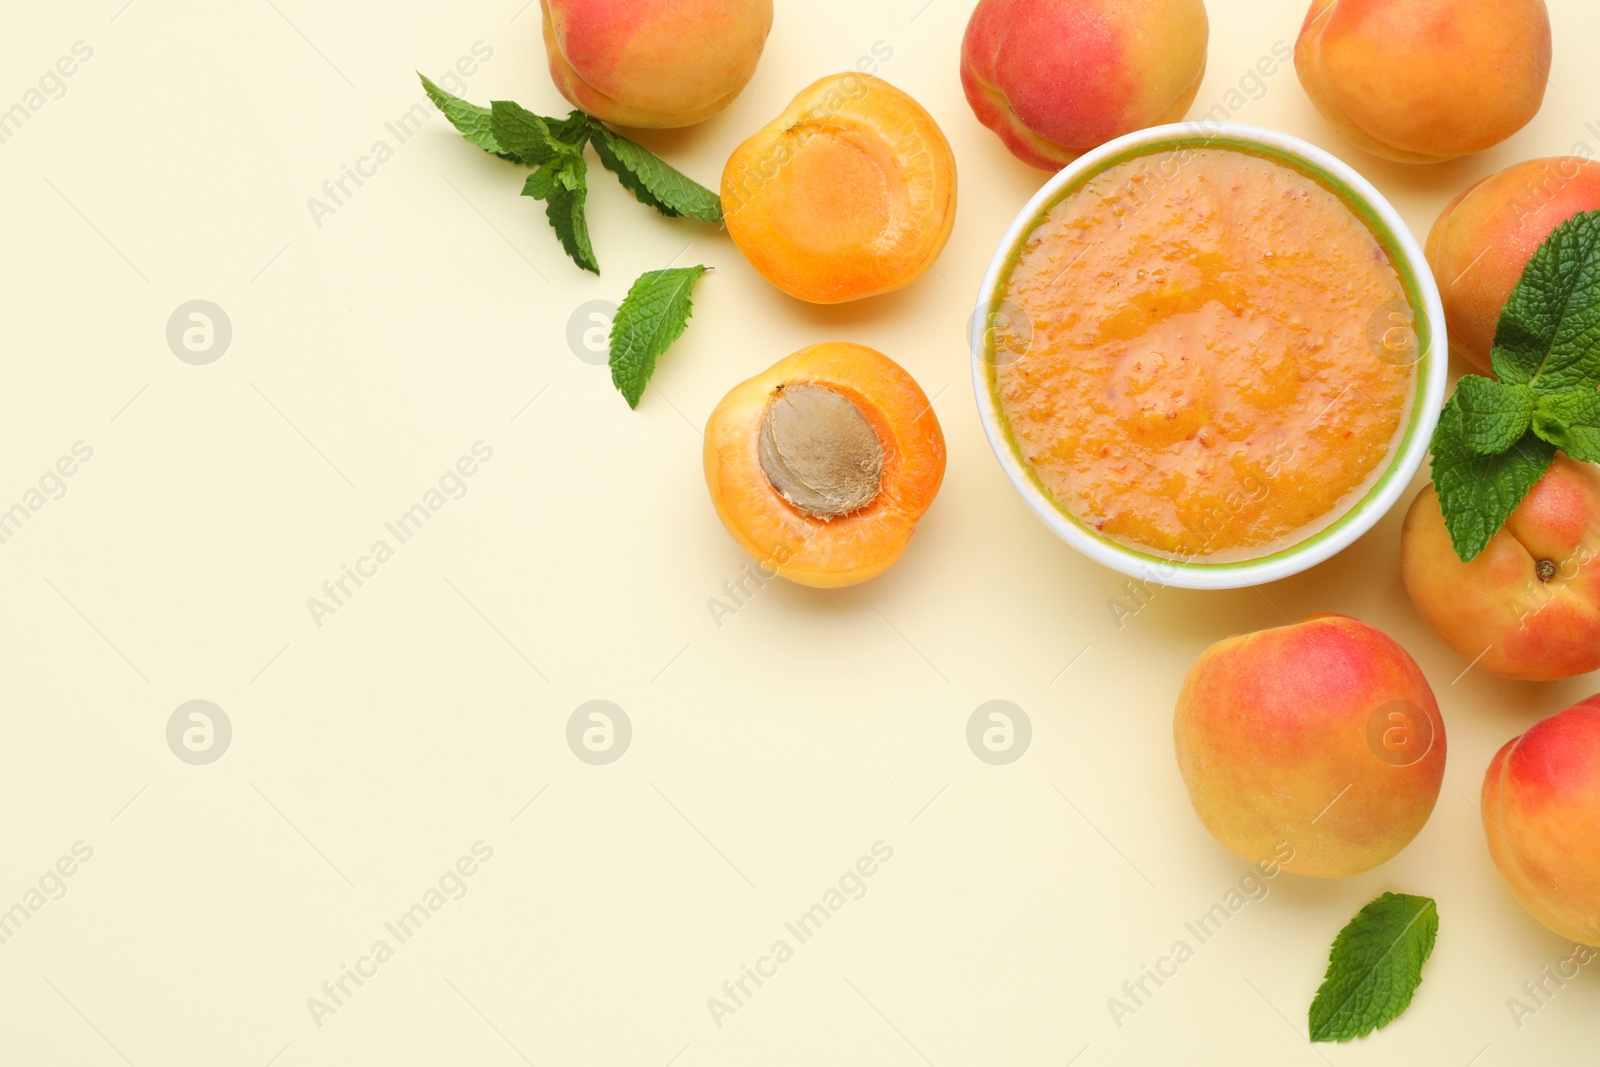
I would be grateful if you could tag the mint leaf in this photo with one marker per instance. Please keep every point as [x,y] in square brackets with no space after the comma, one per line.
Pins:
[1374,967]
[565,210]
[652,180]
[542,182]
[1574,407]
[1549,331]
[1494,415]
[1478,493]
[564,186]
[653,315]
[1571,422]
[525,135]
[473,121]
[1580,442]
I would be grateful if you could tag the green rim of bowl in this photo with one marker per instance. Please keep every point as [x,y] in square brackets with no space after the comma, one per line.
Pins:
[1352,200]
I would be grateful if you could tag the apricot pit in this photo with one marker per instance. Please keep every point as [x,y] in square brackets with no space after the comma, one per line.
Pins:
[819,452]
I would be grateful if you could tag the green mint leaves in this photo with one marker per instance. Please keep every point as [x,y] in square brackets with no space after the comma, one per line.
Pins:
[1375,967]
[652,316]
[1498,436]
[555,147]
[1477,492]
[657,308]
[561,179]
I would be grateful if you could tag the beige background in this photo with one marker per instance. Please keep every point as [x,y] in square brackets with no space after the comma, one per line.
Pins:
[768,754]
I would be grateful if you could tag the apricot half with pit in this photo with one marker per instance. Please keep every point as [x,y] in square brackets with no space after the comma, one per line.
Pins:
[850,193]
[822,465]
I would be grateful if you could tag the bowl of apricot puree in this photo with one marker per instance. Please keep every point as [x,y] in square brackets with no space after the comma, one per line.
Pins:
[1209,355]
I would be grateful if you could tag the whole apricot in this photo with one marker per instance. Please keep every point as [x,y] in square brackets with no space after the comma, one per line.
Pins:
[654,63]
[850,193]
[1528,605]
[1055,78]
[1483,240]
[1423,81]
[1541,813]
[822,465]
[1320,740]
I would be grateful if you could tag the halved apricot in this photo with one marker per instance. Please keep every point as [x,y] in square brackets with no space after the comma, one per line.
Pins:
[850,193]
[822,465]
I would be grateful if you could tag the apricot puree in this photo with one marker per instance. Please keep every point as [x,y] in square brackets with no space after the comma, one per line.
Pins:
[1200,380]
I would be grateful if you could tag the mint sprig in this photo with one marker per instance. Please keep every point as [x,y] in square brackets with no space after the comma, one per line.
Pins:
[1498,436]
[1374,967]
[561,179]
[651,317]
[555,147]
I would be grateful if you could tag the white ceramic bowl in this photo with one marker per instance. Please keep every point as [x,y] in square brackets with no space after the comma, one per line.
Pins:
[1432,364]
